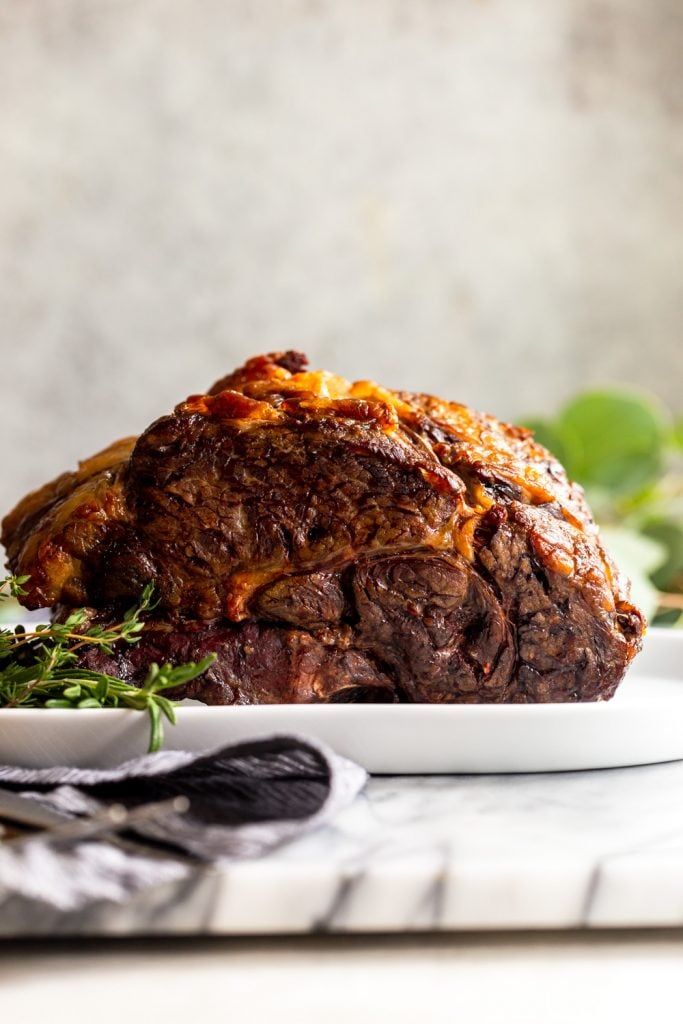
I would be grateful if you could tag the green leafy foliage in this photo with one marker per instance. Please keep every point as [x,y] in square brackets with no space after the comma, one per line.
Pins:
[625,449]
[678,433]
[616,441]
[39,667]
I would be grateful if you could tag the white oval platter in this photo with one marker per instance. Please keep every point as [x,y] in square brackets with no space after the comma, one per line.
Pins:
[642,724]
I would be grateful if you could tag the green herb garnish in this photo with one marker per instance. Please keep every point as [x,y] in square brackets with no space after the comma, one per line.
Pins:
[39,666]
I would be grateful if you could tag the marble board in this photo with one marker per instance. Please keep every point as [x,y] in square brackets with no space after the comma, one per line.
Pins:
[589,849]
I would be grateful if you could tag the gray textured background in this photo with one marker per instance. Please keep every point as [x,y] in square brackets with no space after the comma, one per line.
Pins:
[481,199]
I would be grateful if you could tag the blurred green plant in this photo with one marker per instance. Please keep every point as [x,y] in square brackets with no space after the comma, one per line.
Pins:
[626,449]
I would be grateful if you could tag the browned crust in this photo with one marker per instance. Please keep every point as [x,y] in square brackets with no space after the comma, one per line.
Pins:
[475,466]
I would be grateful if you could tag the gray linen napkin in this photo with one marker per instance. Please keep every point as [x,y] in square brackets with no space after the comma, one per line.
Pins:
[244,800]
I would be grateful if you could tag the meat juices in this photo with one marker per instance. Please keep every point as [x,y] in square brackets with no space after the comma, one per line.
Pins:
[335,542]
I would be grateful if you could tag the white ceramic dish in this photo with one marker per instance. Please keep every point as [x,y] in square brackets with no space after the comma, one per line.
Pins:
[643,724]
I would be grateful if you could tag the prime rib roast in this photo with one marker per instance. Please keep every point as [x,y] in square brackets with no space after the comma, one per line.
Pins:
[332,541]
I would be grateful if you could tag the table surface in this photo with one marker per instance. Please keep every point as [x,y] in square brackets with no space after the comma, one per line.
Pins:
[624,977]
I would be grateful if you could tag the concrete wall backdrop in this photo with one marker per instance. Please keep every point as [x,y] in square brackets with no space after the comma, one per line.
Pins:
[481,199]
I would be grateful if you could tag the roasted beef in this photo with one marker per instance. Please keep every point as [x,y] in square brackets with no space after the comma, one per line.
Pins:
[334,541]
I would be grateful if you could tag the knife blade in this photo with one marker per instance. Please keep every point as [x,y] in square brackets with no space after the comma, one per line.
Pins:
[23,811]
[112,819]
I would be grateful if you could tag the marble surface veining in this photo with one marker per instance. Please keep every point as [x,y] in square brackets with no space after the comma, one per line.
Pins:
[578,849]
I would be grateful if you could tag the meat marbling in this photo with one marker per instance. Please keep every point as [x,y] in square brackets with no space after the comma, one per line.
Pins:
[334,541]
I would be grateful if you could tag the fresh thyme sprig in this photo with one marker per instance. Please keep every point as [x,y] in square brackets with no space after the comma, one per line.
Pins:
[39,666]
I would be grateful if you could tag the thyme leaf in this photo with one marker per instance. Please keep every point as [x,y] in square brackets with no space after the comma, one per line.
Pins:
[39,666]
